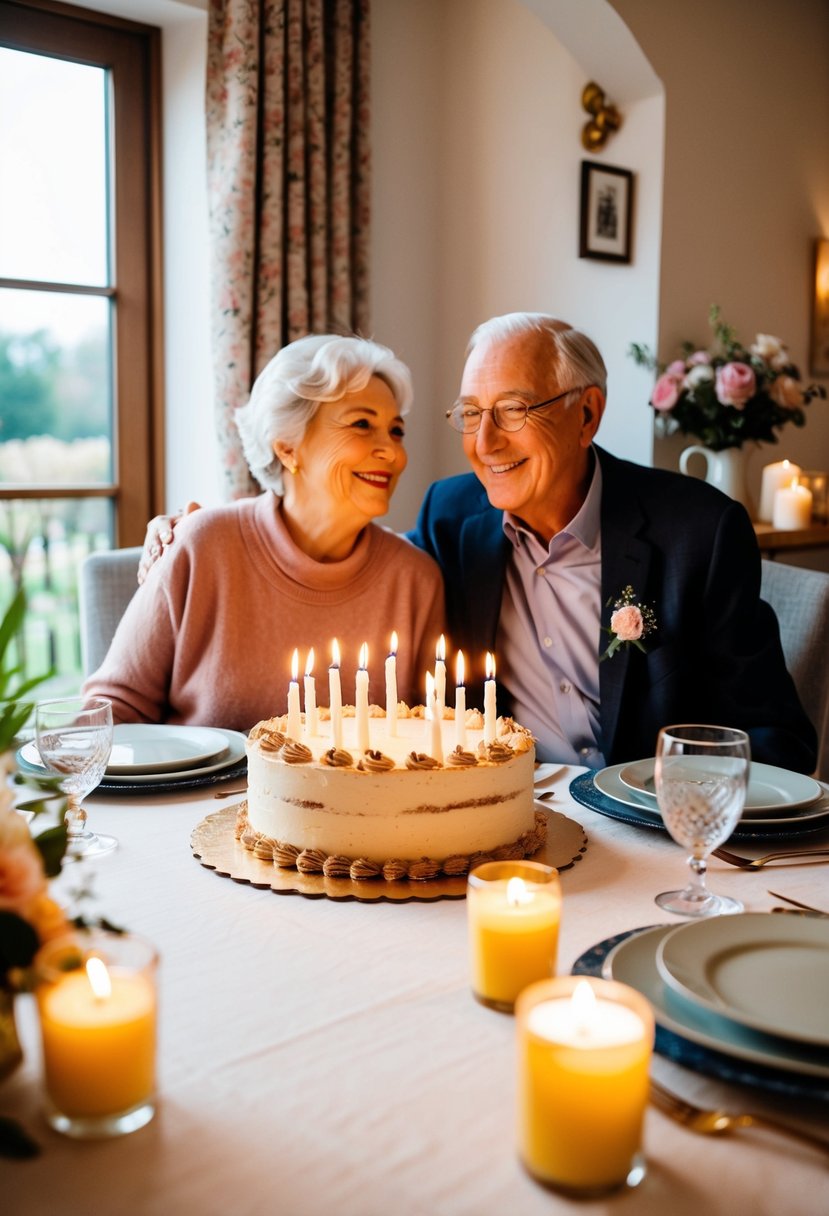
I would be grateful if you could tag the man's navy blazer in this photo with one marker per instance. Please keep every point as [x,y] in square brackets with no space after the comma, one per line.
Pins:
[690,553]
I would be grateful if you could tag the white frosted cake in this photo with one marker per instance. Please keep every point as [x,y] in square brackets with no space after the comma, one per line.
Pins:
[393,811]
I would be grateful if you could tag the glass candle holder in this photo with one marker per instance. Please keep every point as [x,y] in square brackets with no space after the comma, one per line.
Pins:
[816,481]
[513,912]
[96,998]
[584,1049]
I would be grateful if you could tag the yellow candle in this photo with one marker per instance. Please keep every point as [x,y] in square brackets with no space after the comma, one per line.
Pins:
[98,1026]
[584,1049]
[513,912]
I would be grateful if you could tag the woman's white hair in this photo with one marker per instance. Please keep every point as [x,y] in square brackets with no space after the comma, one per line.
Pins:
[575,358]
[289,390]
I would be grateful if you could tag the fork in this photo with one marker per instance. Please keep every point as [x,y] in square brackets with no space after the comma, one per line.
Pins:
[757,863]
[719,1122]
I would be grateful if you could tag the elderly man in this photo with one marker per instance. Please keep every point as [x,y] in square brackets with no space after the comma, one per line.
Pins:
[550,533]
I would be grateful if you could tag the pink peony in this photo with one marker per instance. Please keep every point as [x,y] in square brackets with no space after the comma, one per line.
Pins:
[627,623]
[665,393]
[736,384]
[676,369]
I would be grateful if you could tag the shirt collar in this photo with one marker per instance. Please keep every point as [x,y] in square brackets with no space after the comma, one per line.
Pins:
[584,526]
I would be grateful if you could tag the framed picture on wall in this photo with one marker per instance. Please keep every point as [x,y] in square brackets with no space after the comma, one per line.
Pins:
[606,212]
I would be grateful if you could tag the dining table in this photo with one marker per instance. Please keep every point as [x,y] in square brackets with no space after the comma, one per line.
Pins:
[326,1057]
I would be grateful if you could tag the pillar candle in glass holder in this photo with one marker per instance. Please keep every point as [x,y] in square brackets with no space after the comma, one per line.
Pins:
[335,696]
[96,998]
[361,701]
[792,508]
[513,911]
[460,702]
[775,476]
[490,700]
[584,1049]
[310,696]
[294,727]
[440,674]
[391,687]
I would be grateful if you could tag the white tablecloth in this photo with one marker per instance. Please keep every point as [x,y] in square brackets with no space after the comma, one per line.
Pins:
[328,1058]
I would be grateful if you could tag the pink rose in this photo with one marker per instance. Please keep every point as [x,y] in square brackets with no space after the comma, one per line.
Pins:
[627,623]
[676,369]
[699,358]
[665,393]
[736,383]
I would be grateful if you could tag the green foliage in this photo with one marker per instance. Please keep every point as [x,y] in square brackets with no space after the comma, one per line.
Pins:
[14,711]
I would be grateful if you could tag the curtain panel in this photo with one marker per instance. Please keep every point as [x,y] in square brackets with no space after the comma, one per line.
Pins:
[288,186]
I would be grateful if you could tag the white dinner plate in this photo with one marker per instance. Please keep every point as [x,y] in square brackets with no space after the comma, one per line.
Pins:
[633,962]
[235,752]
[771,790]
[608,782]
[139,747]
[770,973]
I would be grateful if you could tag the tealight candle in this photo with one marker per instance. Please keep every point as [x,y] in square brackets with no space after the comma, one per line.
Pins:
[361,701]
[310,696]
[460,702]
[775,477]
[391,687]
[98,1025]
[490,700]
[294,727]
[513,912]
[584,1048]
[440,674]
[335,696]
[792,508]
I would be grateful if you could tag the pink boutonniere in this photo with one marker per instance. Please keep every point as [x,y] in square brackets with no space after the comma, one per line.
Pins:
[629,624]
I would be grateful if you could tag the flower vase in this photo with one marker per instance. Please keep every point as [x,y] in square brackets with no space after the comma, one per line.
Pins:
[726,470]
[11,1053]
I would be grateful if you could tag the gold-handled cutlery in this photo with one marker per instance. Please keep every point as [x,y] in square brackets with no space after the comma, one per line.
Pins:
[757,863]
[230,793]
[709,1122]
[805,907]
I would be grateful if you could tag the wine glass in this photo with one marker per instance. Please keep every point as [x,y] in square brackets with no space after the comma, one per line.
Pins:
[701,779]
[74,738]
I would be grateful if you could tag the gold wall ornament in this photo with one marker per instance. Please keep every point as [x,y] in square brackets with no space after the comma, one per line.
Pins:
[604,119]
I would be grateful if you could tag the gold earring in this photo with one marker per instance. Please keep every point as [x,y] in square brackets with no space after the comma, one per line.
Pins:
[294,469]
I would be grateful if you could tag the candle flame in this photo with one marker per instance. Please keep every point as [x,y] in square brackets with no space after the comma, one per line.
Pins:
[517,892]
[295,665]
[460,670]
[309,662]
[335,653]
[393,643]
[490,666]
[440,649]
[98,976]
[364,656]
[583,1007]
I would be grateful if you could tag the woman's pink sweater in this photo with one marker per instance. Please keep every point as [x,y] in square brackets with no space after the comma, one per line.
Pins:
[208,639]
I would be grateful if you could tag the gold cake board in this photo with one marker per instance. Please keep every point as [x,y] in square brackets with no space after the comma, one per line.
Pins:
[214,844]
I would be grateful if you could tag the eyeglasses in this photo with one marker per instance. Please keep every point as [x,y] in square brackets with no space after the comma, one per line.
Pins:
[508,415]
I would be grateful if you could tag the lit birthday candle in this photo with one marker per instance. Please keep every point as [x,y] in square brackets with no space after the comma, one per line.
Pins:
[361,701]
[490,711]
[460,702]
[294,718]
[391,687]
[440,674]
[335,696]
[310,696]
[434,720]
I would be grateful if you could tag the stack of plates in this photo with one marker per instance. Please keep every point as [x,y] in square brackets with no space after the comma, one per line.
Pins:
[777,802]
[156,758]
[753,987]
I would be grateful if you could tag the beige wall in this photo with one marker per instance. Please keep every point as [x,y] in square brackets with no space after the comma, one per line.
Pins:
[746,186]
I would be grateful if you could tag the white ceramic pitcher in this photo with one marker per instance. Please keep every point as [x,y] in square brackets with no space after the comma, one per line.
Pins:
[726,470]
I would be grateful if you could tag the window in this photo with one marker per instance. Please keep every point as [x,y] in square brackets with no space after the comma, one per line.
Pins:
[80,327]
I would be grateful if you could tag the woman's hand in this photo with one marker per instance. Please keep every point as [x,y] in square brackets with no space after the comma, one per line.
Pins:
[160,532]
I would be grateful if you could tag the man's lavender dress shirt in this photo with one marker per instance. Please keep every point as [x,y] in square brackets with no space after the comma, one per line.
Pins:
[548,633]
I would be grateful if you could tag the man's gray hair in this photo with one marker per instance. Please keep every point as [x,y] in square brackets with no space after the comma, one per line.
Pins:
[289,390]
[575,358]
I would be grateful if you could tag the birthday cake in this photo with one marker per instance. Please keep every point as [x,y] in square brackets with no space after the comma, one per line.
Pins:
[424,799]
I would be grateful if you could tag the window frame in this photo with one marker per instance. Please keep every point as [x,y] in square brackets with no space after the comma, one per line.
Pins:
[132,53]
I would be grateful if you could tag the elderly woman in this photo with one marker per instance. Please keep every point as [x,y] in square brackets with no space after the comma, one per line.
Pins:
[208,638]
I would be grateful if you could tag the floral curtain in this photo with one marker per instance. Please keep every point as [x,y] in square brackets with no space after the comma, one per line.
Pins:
[288,184]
